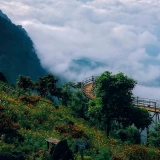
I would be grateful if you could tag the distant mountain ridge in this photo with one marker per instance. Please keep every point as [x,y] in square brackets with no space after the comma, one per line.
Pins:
[17,53]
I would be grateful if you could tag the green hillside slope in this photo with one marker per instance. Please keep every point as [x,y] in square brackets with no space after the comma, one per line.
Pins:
[26,121]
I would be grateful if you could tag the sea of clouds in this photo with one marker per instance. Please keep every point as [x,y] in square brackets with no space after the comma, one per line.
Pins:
[76,39]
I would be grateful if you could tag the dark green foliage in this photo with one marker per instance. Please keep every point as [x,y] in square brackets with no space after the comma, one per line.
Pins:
[114,98]
[72,96]
[7,125]
[46,86]
[130,134]
[114,102]
[154,136]
[105,154]
[12,156]
[66,93]
[140,117]
[78,104]
[41,120]
[25,83]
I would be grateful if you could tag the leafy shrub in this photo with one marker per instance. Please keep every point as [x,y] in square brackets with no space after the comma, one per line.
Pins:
[130,134]
[30,99]
[70,130]
[104,154]
[118,157]
[137,152]
[26,149]
[154,138]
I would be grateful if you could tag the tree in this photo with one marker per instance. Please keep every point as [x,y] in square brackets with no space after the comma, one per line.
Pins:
[46,86]
[113,99]
[6,121]
[114,102]
[153,137]
[72,96]
[24,82]
[140,117]
[130,134]
[78,103]
[66,92]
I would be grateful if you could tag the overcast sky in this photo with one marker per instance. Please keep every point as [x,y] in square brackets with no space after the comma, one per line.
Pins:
[80,38]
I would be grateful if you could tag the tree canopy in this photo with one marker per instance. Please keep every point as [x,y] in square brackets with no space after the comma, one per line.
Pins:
[114,101]
[24,82]
[72,96]
[46,86]
[154,138]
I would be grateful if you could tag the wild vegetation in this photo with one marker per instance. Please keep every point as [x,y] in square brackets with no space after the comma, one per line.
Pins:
[29,113]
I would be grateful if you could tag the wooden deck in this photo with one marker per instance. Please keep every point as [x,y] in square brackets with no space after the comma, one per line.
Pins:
[88,91]
[151,109]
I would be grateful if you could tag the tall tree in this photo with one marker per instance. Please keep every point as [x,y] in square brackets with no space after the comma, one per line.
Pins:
[114,98]
[46,86]
[67,92]
[72,96]
[24,82]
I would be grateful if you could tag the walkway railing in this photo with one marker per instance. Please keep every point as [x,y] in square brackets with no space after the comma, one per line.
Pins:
[88,87]
[89,80]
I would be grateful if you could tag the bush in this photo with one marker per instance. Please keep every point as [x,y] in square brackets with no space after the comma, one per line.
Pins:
[137,152]
[105,154]
[130,134]
[154,138]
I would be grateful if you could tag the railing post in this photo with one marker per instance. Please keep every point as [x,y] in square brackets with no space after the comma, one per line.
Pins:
[155,106]
[155,111]
[137,100]
[92,78]
[92,82]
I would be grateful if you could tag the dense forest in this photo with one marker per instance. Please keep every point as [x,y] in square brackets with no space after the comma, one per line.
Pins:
[33,111]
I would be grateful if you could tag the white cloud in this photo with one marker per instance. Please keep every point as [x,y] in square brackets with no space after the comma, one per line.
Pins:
[147,92]
[115,34]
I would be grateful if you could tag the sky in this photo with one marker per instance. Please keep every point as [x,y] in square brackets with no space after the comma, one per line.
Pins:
[76,39]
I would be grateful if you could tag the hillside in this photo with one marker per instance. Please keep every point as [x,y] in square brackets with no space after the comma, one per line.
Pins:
[17,53]
[26,121]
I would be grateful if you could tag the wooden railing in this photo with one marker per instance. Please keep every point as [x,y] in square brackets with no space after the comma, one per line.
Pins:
[146,102]
[89,83]
[88,80]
